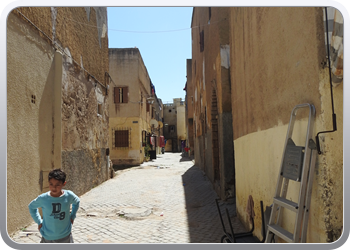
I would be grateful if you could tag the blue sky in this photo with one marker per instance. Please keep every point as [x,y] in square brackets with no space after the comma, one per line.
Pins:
[163,36]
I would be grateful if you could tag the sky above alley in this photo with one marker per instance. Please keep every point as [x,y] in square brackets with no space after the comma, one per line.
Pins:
[163,36]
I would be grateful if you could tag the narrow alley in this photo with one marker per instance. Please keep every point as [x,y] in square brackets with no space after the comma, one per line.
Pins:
[167,200]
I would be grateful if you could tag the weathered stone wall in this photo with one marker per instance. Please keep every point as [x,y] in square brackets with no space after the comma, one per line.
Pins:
[85,169]
[62,90]
[83,30]
[84,132]
[82,127]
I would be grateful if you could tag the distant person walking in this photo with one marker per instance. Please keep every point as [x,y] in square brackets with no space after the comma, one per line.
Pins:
[183,145]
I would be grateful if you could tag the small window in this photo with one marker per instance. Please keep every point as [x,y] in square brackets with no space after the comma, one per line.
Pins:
[33,99]
[121,94]
[99,109]
[169,110]
[121,138]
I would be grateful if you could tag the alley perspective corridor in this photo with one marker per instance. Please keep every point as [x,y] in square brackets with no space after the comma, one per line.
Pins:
[167,200]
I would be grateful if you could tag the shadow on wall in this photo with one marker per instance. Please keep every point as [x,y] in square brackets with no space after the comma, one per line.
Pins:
[204,225]
[46,123]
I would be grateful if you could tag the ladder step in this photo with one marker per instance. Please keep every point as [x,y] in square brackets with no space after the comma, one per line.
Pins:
[280,232]
[293,206]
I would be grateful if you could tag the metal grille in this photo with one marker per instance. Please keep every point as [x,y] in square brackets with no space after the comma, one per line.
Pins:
[121,138]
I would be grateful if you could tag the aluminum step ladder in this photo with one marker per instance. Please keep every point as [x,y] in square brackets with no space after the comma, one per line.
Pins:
[298,164]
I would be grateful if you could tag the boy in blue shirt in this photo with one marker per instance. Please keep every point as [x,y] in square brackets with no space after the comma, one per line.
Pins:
[56,225]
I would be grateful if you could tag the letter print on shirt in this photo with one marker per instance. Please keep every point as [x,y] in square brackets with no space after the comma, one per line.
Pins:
[56,211]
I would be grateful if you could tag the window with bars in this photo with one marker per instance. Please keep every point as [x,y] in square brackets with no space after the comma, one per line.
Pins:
[121,94]
[121,138]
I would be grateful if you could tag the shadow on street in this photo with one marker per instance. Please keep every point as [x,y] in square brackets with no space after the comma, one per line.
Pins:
[202,215]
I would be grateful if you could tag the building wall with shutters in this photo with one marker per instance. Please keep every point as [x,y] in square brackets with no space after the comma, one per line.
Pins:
[128,72]
[52,102]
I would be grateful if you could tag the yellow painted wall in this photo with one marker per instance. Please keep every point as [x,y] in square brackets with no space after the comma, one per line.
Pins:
[262,100]
[134,154]
[258,160]
[181,122]
[127,69]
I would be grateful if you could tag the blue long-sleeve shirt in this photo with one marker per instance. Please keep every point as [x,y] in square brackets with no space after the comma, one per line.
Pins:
[56,218]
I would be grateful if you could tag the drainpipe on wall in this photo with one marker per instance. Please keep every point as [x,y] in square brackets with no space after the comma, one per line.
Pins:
[334,118]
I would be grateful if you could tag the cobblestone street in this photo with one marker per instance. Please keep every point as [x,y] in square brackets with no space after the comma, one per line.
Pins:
[167,200]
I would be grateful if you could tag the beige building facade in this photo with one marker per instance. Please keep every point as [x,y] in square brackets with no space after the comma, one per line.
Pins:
[273,64]
[55,84]
[174,125]
[132,107]
[157,131]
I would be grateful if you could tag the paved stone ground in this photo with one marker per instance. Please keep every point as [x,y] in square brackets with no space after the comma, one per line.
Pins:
[167,200]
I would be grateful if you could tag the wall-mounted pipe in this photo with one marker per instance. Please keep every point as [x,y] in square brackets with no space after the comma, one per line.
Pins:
[334,117]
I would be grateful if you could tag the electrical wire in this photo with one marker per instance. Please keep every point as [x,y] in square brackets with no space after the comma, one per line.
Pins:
[135,31]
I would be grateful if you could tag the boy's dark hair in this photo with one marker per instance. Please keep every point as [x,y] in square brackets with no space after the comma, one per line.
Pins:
[57,174]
